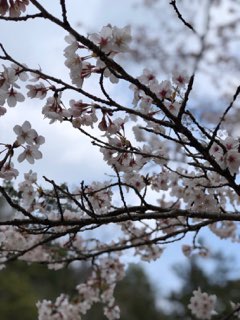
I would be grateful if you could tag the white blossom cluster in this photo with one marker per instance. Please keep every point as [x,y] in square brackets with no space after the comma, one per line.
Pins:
[27,138]
[202,305]
[9,92]
[13,241]
[107,273]
[164,90]
[111,40]
[27,188]
[30,141]
[229,157]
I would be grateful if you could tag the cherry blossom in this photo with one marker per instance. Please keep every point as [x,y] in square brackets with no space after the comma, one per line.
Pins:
[12,96]
[202,305]
[8,78]
[103,38]
[162,90]
[37,91]
[112,39]
[121,39]
[180,78]
[8,172]
[27,189]
[84,114]
[228,158]
[25,133]
[54,110]
[30,153]
[20,72]
[232,160]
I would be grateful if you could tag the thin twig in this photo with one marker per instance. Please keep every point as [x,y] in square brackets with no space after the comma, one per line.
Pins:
[214,135]
[173,3]
[186,97]
[23,18]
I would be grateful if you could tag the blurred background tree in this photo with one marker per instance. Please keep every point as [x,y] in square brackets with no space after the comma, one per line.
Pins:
[22,286]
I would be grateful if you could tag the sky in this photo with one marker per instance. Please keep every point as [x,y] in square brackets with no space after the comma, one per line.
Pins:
[67,155]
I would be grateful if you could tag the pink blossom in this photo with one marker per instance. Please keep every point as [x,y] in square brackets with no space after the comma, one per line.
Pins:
[232,159]
[180,78]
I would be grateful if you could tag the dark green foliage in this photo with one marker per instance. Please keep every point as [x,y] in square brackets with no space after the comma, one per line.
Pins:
[21,286]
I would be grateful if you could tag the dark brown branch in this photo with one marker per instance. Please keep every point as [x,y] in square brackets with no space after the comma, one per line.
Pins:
[64,12]
[57,198]
[138,213]
[121,192]
[186,96]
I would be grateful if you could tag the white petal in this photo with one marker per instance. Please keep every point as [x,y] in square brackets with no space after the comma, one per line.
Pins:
[30,159]
[11,100]
[37,154]
[20,97]
[26,126]
[40,140]
[17,129]
[22,157]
